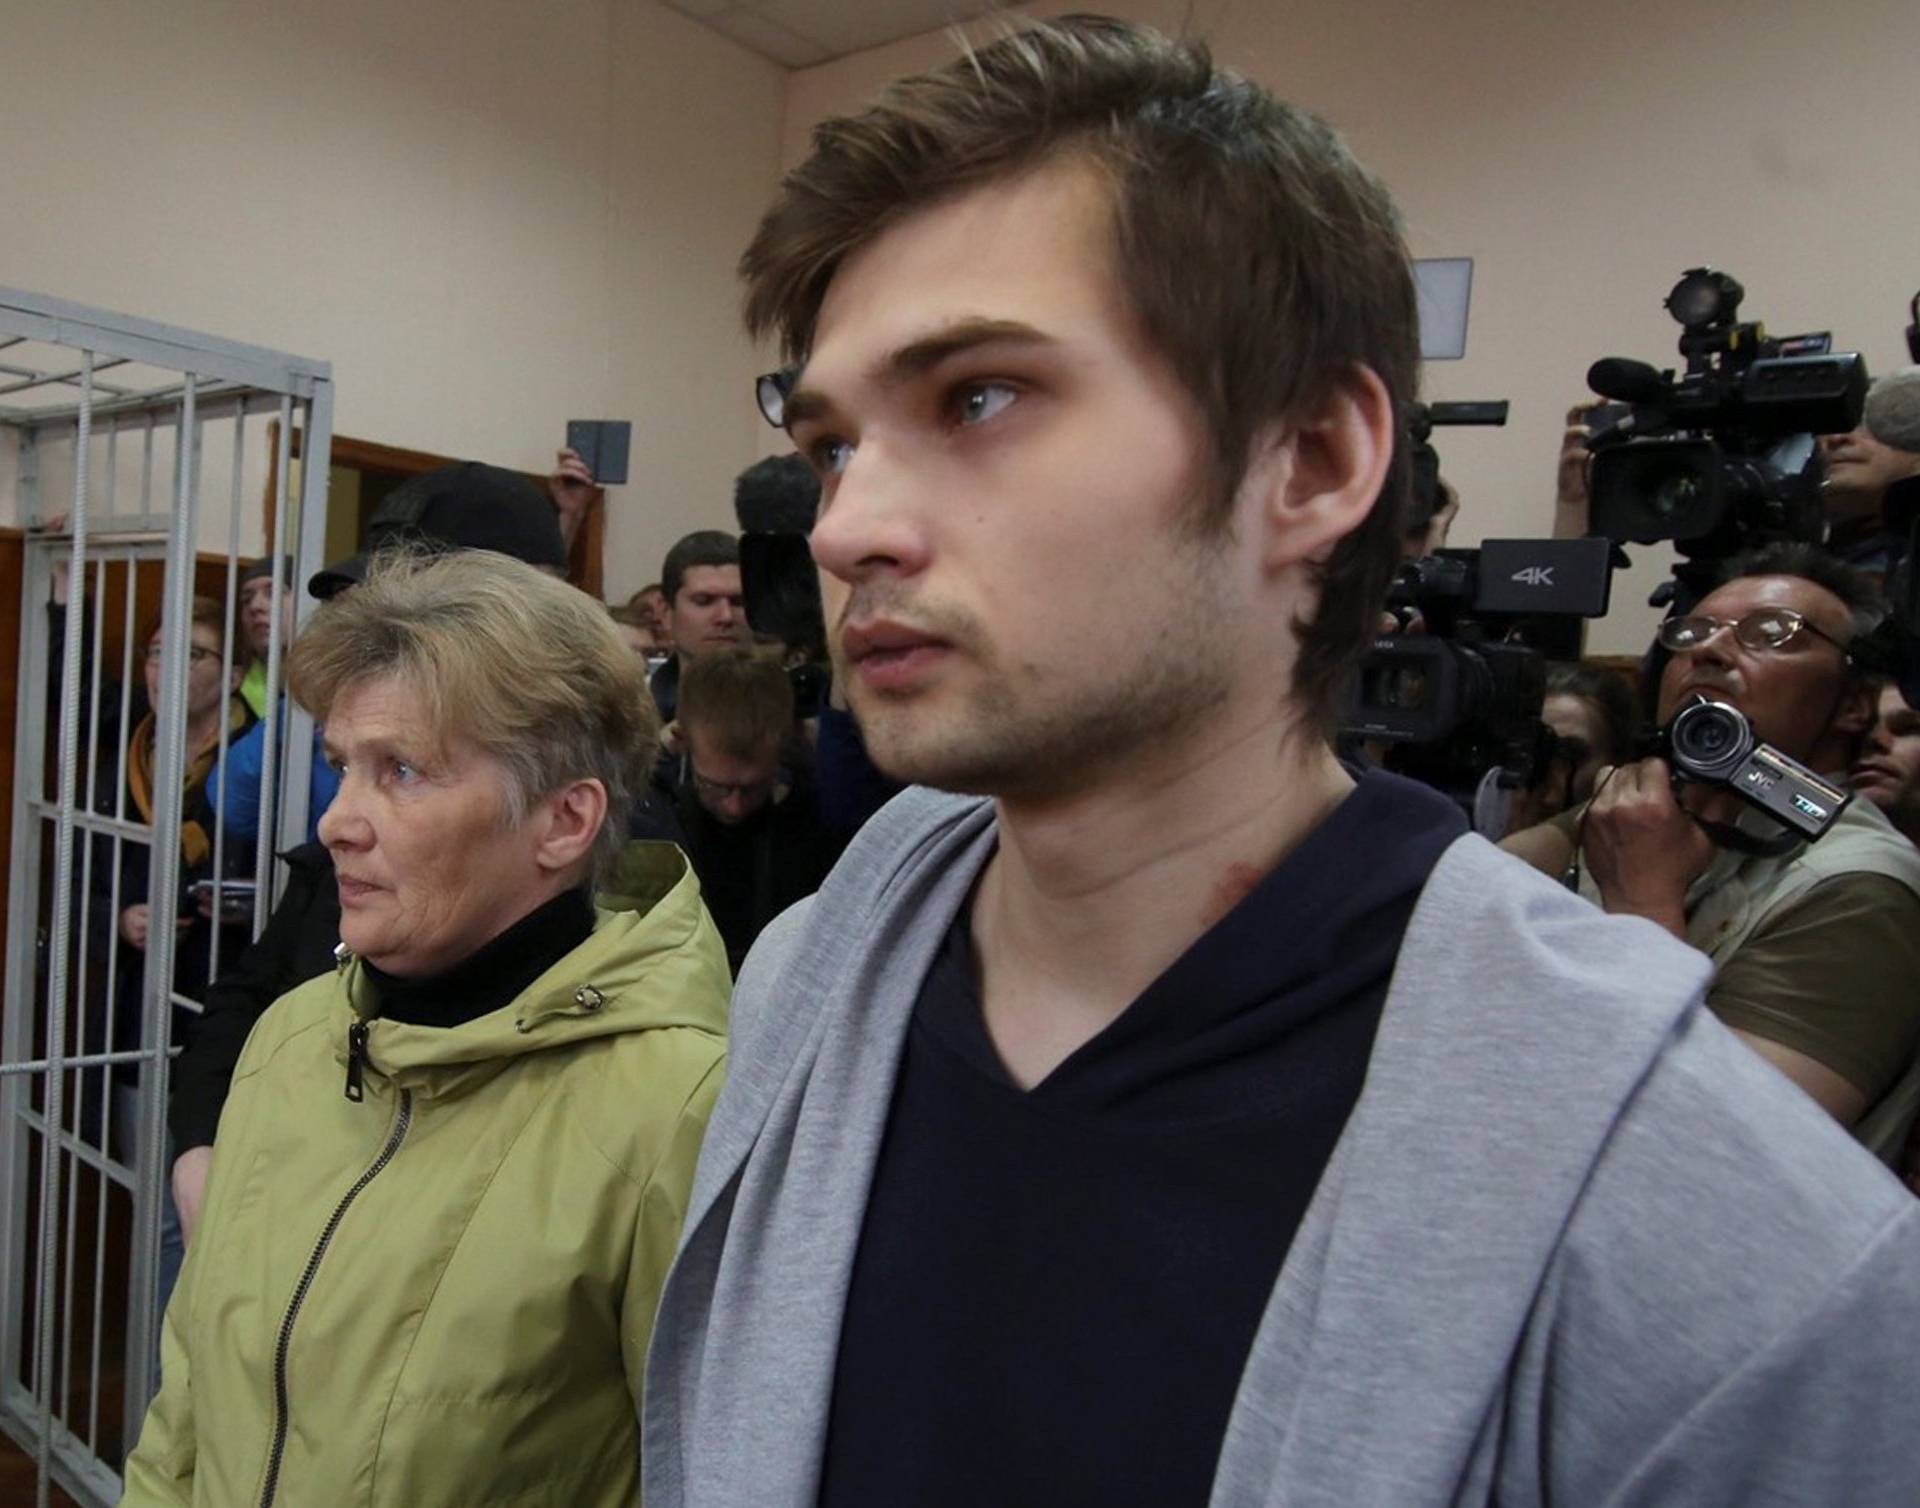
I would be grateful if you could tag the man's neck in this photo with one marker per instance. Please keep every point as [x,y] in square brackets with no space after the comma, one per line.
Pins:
[1091,896]
[1850,514]
[203,731]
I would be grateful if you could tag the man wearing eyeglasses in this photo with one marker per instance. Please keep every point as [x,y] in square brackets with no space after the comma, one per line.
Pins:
[744,812]
[1817,948]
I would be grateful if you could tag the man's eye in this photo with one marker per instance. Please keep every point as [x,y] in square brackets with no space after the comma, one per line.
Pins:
[402,772]
[975,402]
[830,456]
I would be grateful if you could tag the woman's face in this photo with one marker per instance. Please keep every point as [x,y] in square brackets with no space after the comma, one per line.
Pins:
[429,864]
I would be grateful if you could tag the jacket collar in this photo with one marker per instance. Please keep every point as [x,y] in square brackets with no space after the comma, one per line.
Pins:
[653,960]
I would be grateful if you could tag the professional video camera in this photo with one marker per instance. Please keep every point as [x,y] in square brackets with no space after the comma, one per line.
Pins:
[775,501]
[1463,697]
[1720,459]
[1422,420]
[1712,743]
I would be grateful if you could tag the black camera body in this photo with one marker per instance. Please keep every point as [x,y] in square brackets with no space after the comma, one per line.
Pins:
[1422,419]
[1721,458]
[1464,696]
[1712,743]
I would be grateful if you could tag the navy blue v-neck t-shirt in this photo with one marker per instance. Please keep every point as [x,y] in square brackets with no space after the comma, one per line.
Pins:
[1055,1289]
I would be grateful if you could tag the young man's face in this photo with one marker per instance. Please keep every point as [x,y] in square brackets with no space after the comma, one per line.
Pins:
[1888,770]
[709,611]
[1010,477]
[256,613]
[730,787]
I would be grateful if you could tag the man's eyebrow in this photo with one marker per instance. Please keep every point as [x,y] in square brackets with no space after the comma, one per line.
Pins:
[917,357]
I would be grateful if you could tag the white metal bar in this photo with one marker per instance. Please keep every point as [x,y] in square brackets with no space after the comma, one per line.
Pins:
[61,379]
[228,629]
[23,1001]
[58,322]
[278,724]
[315,453]
[58,418]
[39,376]
[57,982]
[169,777]
[102,1059]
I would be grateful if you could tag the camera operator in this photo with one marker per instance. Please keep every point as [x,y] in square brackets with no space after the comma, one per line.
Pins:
[1590,711]
[1863,463]
[1817,945]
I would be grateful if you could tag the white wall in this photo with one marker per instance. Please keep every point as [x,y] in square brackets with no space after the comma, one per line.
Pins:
[490,216]
[1584,157]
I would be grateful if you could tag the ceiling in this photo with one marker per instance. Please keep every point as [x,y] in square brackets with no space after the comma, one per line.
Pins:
[800,33]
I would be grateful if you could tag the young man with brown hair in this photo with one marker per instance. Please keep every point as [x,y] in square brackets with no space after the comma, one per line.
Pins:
[1196,1118]
[744,812]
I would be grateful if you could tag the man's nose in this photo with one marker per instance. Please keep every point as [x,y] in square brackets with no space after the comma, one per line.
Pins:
[873,524]
[1718,649]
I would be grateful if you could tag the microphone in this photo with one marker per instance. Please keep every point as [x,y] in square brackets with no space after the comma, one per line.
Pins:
[779,495]
[1626,381]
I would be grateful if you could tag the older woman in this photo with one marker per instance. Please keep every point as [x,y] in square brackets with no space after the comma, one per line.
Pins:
[450,1176]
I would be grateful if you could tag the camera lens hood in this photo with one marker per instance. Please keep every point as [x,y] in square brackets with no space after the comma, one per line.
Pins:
[1708,740]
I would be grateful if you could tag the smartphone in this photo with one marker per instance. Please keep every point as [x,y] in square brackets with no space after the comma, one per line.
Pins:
[236,897]
[1605,416]
[602,444]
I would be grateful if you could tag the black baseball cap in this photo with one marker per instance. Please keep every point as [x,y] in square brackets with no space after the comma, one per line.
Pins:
[466,506]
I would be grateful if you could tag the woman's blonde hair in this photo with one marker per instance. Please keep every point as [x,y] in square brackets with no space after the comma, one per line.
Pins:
[499,654]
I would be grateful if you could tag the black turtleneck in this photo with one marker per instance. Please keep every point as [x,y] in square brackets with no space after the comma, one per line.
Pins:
[490,978]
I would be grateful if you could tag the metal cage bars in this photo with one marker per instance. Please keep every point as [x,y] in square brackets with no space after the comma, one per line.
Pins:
[47,1031]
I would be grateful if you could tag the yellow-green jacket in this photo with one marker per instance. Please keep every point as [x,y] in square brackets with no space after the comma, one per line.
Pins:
[441,1294]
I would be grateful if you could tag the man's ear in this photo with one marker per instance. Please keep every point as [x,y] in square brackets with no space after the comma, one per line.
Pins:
[1319,476]
[573,816]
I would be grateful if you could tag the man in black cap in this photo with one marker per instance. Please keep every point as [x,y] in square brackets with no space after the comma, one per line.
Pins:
[469,506]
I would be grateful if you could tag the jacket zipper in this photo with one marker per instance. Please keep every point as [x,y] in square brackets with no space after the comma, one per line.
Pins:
[280,1412]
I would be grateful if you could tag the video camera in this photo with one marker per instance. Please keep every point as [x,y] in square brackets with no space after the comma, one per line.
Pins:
[1712,743]
[775,501]
[1464,696]
[1422,420]
[1720,459]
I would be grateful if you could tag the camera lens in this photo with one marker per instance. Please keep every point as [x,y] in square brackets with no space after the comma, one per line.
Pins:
[1675,495]
[1708,739]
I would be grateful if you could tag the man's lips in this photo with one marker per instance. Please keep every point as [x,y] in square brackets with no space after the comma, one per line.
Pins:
[891,657]
[1712,690]
[1872,770]
[879,636]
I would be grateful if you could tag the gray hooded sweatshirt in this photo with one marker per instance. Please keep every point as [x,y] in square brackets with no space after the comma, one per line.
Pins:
[1576,1245]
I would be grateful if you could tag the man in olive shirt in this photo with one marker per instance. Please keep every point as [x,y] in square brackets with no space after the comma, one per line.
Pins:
[1818,948]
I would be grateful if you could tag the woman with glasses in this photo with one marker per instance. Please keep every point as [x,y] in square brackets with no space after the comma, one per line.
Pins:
[127,789]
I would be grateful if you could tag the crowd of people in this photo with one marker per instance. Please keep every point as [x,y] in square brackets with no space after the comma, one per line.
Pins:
[1128,1097]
